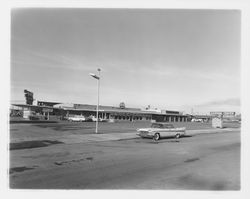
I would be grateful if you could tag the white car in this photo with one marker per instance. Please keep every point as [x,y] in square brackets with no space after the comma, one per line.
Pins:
[76,118]
[94,119]
[196,120]
[161,130]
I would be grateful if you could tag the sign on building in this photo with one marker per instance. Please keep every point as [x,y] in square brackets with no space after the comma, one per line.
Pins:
[222,114]
[28,97]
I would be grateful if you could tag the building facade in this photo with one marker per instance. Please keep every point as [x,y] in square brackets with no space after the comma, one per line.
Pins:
[60,111]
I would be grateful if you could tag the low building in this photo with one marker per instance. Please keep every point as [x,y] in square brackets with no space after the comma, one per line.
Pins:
[56,110]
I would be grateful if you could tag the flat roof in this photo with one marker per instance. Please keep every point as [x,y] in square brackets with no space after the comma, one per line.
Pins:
[124,111]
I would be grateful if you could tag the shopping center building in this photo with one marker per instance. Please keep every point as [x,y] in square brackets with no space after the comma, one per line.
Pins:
[59,111]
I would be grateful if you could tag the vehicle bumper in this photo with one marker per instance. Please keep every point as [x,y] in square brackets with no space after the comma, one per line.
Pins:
[145,135]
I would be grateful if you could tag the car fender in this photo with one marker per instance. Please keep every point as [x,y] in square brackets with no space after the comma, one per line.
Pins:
[153,132]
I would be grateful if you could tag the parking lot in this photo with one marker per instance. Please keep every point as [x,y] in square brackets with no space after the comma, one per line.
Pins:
[38,131]
[209,161]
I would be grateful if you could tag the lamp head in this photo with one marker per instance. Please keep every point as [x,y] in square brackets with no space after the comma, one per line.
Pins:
[94,75]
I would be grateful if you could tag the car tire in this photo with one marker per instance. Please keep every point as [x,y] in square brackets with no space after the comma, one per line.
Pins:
[177,136]
[156,136]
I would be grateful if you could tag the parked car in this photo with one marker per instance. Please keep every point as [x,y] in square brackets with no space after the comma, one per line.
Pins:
[161,130]
[76,118]
[94,119]
[196,120]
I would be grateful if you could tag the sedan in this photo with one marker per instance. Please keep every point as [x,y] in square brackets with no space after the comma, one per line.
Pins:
[76,118]
[161,130]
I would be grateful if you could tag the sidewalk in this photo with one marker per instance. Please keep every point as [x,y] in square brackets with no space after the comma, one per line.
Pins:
[74,139]
[88,138]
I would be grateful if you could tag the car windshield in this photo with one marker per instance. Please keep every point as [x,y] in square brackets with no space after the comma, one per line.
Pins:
[168,126]
[161,126]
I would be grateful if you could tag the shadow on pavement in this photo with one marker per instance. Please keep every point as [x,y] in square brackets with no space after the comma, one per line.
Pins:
[33,144]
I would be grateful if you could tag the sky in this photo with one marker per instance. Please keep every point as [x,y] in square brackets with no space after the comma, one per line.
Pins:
[186,60]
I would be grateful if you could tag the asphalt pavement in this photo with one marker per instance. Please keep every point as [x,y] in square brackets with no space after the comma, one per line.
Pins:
[75,132]
[208,161]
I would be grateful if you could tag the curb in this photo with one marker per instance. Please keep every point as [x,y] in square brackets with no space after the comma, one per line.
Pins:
[210,131]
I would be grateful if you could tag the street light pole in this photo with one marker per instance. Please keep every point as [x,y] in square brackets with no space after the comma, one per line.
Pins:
[98,94]
[98,98]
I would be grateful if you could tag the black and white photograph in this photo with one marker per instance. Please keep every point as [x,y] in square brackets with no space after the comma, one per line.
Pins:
[125,99]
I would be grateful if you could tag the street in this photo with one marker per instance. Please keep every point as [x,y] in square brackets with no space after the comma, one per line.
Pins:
[199,162]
